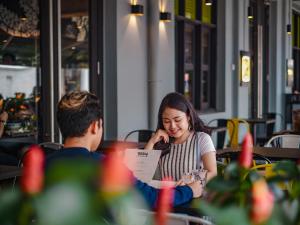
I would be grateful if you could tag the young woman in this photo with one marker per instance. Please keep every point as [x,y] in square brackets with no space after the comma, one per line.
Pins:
[191,146]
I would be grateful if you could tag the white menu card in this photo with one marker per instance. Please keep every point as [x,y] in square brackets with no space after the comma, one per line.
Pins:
[142,163]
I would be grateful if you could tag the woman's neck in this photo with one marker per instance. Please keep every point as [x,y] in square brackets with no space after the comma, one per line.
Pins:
[183,137]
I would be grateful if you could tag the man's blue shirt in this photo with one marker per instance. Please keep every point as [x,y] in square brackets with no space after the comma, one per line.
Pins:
[182,194]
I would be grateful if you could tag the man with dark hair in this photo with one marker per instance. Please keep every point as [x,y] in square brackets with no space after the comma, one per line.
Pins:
[80,122]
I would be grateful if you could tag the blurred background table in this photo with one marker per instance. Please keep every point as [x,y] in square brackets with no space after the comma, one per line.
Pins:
[270,153]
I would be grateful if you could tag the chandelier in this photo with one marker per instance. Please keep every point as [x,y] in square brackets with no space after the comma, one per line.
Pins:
[25,27]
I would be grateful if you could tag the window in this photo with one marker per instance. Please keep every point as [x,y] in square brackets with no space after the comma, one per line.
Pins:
[19,67]
[44,54]
[195,53]
[296,50]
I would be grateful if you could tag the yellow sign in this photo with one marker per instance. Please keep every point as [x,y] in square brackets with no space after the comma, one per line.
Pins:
[246,69]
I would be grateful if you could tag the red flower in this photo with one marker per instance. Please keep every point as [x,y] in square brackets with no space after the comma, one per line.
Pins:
[164,203]
[33,170]
[262,202]
[245,157]
[116,177]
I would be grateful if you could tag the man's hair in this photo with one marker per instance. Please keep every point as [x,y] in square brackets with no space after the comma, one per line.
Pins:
[76,111]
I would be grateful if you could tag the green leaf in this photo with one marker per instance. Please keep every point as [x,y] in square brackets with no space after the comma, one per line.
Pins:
[232,215]
[220,185]
[9,206]
[67,203]
[287,168]
[79,170]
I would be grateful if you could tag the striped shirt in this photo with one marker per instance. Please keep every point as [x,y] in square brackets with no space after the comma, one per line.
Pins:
[186,156]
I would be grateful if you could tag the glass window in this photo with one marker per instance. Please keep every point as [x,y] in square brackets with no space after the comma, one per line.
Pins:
[19,65]
[195,41]
[74,45]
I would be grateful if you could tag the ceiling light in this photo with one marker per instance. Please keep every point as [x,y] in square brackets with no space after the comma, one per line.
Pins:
[208,2]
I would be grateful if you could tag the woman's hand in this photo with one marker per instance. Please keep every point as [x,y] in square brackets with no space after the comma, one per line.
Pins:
[158,136]
[197,189]
[180,183]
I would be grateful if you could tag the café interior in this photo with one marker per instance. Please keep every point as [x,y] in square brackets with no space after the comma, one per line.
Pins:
[236,61]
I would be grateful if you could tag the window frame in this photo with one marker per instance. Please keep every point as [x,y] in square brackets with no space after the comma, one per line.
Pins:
[197,90]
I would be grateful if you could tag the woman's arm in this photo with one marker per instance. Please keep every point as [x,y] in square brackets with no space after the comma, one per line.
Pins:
[210,164]
[208,155]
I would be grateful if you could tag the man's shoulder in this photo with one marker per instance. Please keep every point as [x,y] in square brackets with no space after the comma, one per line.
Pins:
[73,153]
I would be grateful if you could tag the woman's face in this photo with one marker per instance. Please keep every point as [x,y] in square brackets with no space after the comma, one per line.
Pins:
[175,122]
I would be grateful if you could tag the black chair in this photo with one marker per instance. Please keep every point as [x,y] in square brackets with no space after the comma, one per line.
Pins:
[268,129]
[48,148]
[139,135]
[233,156]
[221,136]
[8,159]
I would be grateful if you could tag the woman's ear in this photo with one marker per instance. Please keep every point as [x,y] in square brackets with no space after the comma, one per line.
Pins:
[190,122]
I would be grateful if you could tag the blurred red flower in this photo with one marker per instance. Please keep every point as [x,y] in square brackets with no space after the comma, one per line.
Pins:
[245,157]
[164,203]
[262,202]
[32,179]
[116,177]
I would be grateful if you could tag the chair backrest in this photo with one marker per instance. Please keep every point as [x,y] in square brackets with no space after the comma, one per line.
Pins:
[284,141]
[238,128]
[50,147]
[223,138]
[139,135]
[177,218]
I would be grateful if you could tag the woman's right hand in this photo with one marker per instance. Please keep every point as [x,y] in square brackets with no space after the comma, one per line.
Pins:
[158,136]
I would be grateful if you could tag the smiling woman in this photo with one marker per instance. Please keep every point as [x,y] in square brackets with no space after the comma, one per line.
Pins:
[191,147]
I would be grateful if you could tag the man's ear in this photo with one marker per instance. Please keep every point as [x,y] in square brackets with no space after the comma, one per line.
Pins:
[95,125]
[100,123]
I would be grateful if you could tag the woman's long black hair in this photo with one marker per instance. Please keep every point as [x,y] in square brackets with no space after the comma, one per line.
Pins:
[177,101]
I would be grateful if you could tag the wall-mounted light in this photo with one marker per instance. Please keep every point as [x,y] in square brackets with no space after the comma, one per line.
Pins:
[23,18]
[165,16]
[289,29]
[137,10]
[250,12]
[208,2]
[290,72]
[245,68]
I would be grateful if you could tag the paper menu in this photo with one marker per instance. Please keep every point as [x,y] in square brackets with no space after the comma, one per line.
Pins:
[142,163]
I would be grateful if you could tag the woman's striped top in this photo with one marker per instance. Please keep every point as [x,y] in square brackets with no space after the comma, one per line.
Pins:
[186,156]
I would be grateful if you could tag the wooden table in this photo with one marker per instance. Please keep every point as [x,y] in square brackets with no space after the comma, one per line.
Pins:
[106,145]
[8,172]
[269,152]
[15,145]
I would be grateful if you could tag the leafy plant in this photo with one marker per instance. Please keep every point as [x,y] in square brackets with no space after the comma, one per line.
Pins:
[72,192]
[241,195]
